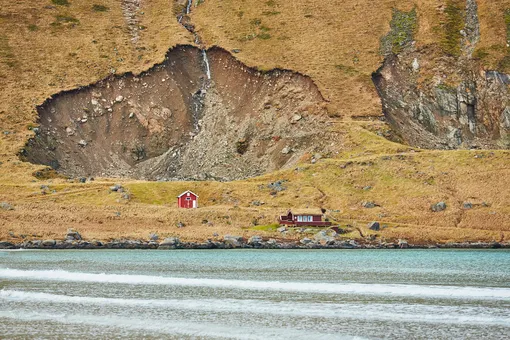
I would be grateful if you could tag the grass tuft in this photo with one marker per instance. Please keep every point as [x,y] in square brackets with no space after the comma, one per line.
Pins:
[100,8]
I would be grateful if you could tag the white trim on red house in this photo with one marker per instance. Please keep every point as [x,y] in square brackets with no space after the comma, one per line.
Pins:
[187,191]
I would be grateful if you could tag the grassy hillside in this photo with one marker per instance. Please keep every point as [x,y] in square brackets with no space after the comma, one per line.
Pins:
[50,46]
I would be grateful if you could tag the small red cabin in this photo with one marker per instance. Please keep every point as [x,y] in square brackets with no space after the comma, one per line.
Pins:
[187,200]
[303,220]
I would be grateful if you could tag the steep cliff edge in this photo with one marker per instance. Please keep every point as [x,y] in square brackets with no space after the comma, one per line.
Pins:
[441,95]
[195,116]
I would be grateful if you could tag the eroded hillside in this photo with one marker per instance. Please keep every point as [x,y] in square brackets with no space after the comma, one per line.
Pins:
[199,115]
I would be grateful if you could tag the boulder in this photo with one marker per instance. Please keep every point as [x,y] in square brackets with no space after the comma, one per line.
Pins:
[234,241]
[73,235]
[438,207]
[281,229]
[374,226]
[305,241]
[48,243]
[116,187]
[368,205]
[7,245]
[403,244]
[153,237]
[6,206]
[323,237]
[255,240]
[467,205]
[170,243]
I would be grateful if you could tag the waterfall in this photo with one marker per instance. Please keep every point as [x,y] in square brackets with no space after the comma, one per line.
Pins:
[206,62]
[188,6]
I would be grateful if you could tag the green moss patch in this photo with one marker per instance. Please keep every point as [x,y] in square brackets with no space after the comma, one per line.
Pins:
[403,27]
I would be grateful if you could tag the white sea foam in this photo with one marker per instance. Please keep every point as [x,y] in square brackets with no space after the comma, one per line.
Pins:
[402,290]
[374,312]
[171,327]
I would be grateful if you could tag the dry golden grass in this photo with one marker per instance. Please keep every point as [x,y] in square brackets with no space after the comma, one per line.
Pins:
[335,42]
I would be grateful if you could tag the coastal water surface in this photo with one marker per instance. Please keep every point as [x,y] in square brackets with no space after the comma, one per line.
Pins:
[255,294]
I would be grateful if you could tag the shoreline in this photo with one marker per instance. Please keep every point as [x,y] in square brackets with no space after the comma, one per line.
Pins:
[270,244]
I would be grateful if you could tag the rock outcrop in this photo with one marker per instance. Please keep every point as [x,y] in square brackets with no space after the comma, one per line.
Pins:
[440,96]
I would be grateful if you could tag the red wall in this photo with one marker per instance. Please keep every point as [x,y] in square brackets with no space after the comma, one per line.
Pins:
[187,204]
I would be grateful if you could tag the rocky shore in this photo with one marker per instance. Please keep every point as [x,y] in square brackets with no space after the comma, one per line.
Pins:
[233,242]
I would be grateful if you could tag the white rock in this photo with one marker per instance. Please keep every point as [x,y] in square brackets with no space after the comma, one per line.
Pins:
[416,65]
[82,143]
[119,99]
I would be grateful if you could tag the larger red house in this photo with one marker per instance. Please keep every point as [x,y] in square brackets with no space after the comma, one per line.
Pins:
[299,220]
[187,200]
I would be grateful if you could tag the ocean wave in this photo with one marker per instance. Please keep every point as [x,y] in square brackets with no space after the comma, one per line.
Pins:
[172,327]
[374,312]
[401,290]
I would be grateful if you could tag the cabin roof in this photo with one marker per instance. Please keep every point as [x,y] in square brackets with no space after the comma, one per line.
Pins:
[184,193]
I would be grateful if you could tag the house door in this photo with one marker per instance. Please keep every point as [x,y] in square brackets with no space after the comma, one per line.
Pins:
[194,204]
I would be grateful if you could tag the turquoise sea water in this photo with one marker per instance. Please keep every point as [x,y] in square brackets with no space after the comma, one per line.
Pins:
[256,294]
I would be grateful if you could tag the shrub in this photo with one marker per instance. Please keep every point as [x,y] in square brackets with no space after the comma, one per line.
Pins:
[60,2]
[100,8]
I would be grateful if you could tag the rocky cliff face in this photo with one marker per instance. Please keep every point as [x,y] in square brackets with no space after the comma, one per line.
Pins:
[441,96]
[196,116]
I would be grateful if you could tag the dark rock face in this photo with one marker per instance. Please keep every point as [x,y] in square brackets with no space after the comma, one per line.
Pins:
[173,122]
[441,97]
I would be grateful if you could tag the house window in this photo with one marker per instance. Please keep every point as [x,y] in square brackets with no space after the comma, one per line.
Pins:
[310,219]
[300,218]
[188,198]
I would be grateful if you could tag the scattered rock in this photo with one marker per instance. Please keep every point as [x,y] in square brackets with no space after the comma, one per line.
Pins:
[467,205]
[368,187]
[281,229]
[235,50]
[116,188]
[180,225]
[119,99]
[403,244]
[73,235]
[153,237]
[438,207]
[7,245]
[69,131]
[368,205]
[255,240]
[83,143]
[48,243]
[286,150]
[170,243]
[277,186]
[416,65]
[234,241]
[305,241]
[82,179]
[6,206]
[296,118]
[374,226]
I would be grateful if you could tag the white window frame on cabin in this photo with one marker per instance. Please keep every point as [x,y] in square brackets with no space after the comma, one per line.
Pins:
[310,218]
[300,218]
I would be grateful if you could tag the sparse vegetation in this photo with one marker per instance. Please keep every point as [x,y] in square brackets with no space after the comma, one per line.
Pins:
[403,27]
[100,8]
[61,2]
[451,26]
[405,182]
[33,28]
